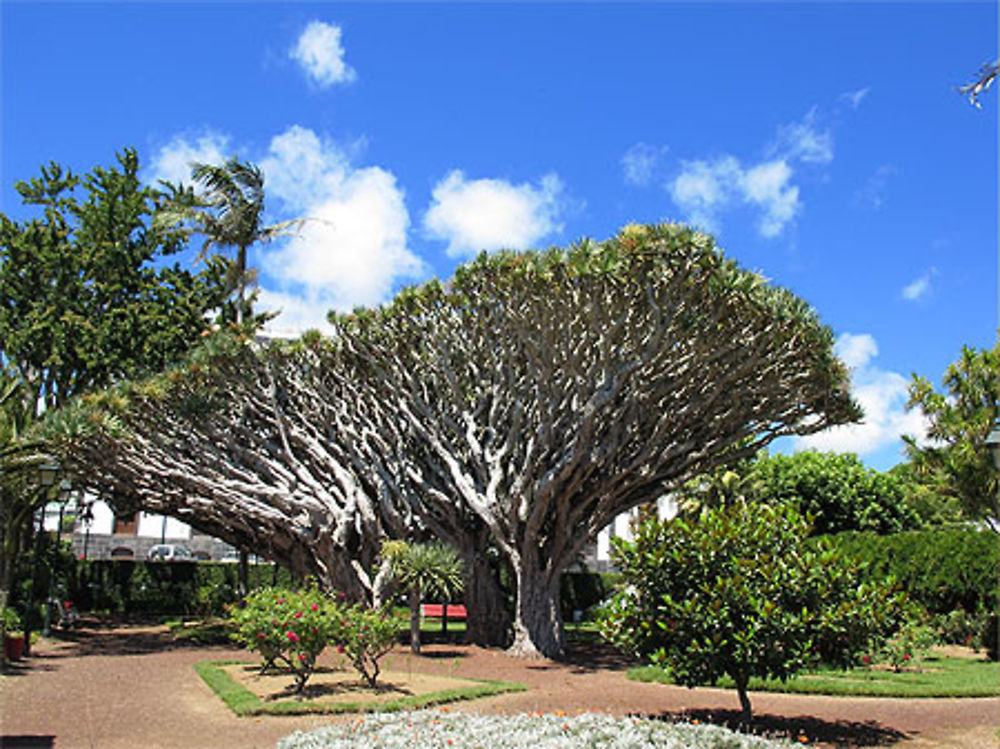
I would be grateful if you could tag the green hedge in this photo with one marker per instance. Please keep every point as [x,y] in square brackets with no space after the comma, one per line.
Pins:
[126,586]
[943,570]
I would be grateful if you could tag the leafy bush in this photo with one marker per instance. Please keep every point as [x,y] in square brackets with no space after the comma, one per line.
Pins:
[291,626]
[11,620]
[942,570]
[737,592]
[364,636]
[432,728]
[959,627]
[908,646]
[835,490]
[294,627]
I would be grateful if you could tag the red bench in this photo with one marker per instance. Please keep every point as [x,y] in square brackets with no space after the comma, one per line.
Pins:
[455,610]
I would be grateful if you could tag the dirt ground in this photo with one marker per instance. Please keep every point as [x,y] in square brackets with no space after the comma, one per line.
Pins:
[132,687]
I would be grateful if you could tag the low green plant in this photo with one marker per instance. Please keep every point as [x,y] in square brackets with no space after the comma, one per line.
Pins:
[433,728]
[364,636]
[11,620]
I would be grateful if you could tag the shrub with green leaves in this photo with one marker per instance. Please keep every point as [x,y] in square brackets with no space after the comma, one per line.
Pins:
[364,636]
[289,626]
[941,569]
[737,592]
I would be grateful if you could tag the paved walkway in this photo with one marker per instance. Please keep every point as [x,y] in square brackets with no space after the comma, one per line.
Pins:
[133,687]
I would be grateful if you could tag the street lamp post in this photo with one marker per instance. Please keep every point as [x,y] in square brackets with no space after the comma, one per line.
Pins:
[47,473]
[993,445]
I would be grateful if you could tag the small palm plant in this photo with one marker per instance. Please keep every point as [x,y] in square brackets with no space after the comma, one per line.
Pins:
[431,568]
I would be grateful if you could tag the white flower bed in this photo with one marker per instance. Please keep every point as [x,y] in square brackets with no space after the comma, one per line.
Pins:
[433,728]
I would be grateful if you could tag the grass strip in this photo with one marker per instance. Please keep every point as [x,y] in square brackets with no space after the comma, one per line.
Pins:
[237,698]
[244,702]
[940,677]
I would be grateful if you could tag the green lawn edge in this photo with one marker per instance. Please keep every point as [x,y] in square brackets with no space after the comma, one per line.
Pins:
[244,702]
[964,679]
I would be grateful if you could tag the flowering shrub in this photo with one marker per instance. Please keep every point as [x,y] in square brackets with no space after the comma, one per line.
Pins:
[909,645]
[291,626]
[364,636]
[431,728]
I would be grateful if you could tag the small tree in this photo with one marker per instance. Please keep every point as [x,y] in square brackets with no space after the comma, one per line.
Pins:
[433,568]
[737,593]
[955,462]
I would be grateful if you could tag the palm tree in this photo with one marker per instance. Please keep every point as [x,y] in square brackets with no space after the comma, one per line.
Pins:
[432,568]
[228,211]
[20,457]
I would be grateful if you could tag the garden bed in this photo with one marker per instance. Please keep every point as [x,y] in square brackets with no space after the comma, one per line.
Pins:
[331,690]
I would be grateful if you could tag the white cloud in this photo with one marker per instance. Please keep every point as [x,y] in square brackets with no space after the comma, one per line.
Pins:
[854,98]
[353,250]
[492,214]
[882,395]
[919,287]
[856,350]
[704,188]
[640,162]
[321,54]
[299,312]
[173,160]
[804,141]
[767,185]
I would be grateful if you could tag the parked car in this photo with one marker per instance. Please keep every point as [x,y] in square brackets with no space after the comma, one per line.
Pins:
[169,553]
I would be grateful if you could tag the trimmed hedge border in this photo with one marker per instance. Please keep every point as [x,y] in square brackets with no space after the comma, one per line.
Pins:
[942,570]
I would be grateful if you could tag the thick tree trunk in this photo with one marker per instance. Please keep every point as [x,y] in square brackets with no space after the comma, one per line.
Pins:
[538,626]
[487,621]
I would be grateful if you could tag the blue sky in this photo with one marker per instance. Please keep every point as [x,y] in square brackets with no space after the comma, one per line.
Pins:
[823,144]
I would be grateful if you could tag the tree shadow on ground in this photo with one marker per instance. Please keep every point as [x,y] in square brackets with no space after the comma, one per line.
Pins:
[800,728]
[106,640]
[27,742]
[585,657]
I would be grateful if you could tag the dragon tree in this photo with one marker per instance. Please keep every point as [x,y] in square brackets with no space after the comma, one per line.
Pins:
[546,393]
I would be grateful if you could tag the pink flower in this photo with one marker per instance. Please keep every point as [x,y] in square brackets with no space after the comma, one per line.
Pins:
[293,637]
[298,614]
[260,635]
[302,656]
[906,656]
[340,648]
[280,601]
[315,607]
[865,658]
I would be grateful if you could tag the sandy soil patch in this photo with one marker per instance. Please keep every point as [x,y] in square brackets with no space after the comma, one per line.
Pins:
[336,686]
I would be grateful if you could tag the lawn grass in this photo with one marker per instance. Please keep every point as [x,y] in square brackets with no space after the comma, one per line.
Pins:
[939,677]
[243,702]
